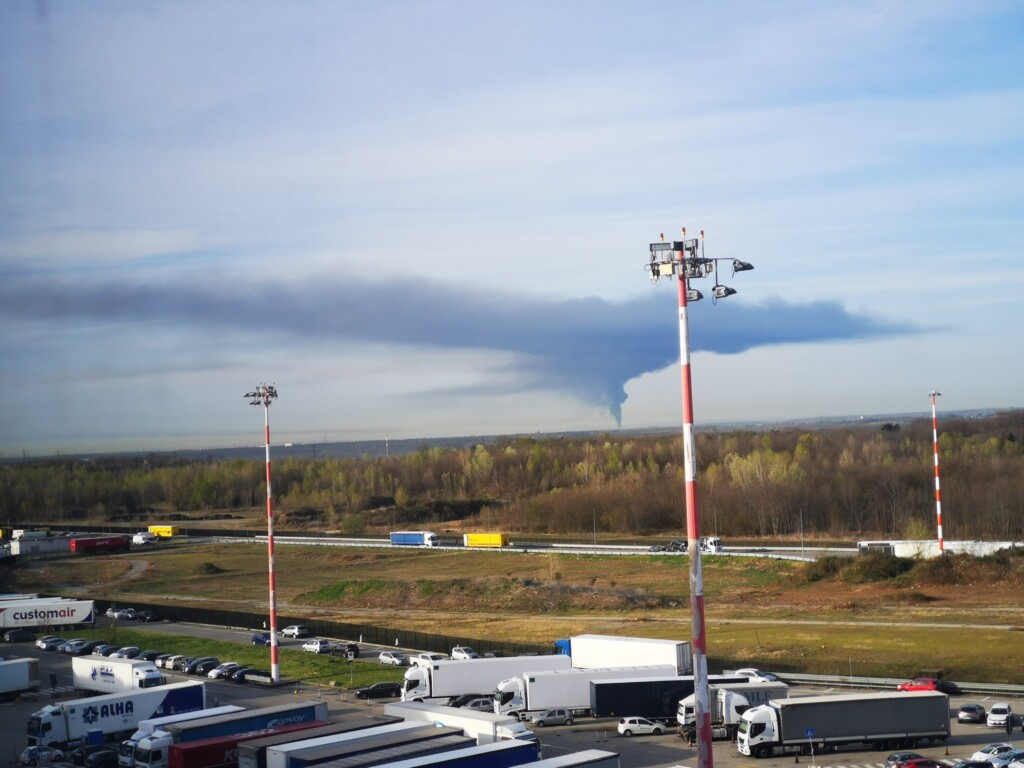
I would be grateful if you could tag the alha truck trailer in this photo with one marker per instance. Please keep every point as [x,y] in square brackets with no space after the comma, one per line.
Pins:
[568,688]
[414,538]
[482,726]
[146,728]
[151,752]
[728,702]
[599,651]
[18,676]
[115,715]
[876,720]
[104,675]
[445,679]
[656,698]
[253,753]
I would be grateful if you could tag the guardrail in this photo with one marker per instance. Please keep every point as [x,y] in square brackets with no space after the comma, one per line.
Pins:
[890,683]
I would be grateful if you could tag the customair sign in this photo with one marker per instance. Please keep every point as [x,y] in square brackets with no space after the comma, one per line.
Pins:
[45,613]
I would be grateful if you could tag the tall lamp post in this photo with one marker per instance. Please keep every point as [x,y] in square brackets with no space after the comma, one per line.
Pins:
[685,260]
[262,395]
[935,444]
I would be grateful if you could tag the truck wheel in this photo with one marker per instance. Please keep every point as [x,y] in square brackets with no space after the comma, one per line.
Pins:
[762,752]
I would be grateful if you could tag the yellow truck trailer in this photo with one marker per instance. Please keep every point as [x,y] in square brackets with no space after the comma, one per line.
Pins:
[164,531]
[492,540]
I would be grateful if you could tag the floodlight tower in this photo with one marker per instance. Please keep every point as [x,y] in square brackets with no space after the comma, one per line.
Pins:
[262,395]
[681,258]
[935,442]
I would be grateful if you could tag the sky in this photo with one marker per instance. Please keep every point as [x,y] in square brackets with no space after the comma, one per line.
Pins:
[433,218]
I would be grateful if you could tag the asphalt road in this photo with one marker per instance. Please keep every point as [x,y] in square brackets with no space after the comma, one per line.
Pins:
[636,752]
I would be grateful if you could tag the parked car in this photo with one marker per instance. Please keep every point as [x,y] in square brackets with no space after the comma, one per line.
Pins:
[383,690]
[241,674]
[128,652]
[149,655]
[79,754]
[971,713]
[629,726]
[103,758]
[40,756]
[464,652]
[992,751]
[223,670]
[19,636]
[124,613]
[69,646]
[42,642]
[461,701]
[756,675]
[552,717]
[146,615]
[162,659]
[180,663]
[930,684]
[317,645]
[998,714]
[395,658]
[893,760]
[193,667]
[922,762]
[1007,759]
[296,630]
[261,638]
[350,648]
[480,704]
[972,764]
[497,654]
[106,650]
[425,659]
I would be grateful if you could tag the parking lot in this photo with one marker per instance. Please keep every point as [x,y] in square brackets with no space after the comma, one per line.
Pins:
[636,752]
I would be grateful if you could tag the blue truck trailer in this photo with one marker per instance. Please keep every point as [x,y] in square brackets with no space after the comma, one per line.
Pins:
[414,538]
[497,754]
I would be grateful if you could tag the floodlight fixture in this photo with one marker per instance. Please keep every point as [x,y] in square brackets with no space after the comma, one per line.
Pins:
[723,291]
[741,266]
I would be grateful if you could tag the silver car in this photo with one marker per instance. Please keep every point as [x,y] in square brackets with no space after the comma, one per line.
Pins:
[552,717]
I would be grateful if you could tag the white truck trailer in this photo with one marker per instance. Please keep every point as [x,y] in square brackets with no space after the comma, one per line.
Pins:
[444,679]
[104,675]
[877,720]
[569,688]
[599,651]
[146,728]
[482,726]
[728,702]
[115,715]
[53,612]
[18,676]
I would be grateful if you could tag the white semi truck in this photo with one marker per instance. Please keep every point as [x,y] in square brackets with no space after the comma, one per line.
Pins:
[18,676]
[146,728]
[444,679]
[600,651]
[728,702]
[568,688]
[823,723]
[482,726]
[115,715]
[103,675]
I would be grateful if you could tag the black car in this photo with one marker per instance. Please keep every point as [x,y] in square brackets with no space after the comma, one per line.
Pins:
[380,691]
[461,701]
[202,665]
[149,655]
[89,646]
[104,758]
[146,616]
[19,636]
[79,754]
[243,674]
[106,650]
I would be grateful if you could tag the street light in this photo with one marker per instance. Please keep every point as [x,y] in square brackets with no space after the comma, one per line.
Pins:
[935,443]
[262,395]
[680,258]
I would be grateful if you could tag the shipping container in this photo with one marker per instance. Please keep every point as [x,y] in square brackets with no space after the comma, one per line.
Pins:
[89,545]
[486,540]
[253,754]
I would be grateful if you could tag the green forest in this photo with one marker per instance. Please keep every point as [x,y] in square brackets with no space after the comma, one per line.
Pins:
[862,481]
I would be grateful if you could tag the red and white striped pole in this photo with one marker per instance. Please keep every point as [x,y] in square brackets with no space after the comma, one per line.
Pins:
[262,395]
[938,493]
[702,711]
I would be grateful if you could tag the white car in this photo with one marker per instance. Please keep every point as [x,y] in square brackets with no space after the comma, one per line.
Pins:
[318,646]
[1007,759]
[223,670]
[756,675]
[395,658]
[993,750]
[296,630]
[632,726]
[38,756]
[464,652]
[426,659]
[168,663]
[998,713]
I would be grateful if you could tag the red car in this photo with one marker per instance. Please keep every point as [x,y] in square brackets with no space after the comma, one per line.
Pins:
[929,684]
[921,762]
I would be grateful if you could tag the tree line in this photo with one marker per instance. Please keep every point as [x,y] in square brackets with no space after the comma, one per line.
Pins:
[834,481]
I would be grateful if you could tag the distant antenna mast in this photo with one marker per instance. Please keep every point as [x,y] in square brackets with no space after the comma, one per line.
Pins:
[938,494]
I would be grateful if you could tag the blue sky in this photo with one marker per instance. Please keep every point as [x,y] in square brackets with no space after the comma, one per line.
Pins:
[432,218]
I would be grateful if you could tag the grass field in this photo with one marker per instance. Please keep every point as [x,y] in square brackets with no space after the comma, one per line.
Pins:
[963,616]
